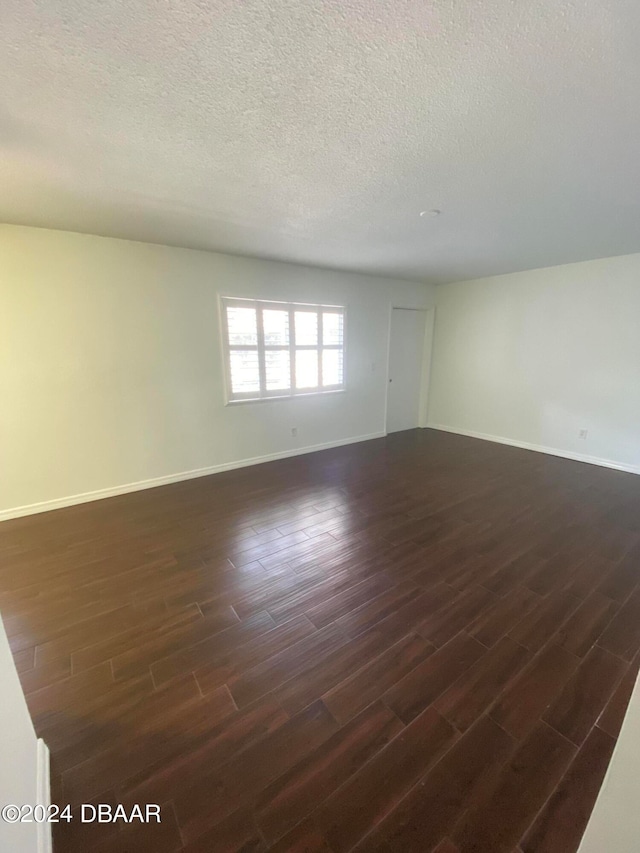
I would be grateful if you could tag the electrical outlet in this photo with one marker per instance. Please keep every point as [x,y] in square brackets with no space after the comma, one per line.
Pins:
[294,432]
[583,433]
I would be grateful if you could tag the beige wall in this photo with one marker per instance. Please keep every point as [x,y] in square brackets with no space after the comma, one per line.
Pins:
[535,357]
[110,363]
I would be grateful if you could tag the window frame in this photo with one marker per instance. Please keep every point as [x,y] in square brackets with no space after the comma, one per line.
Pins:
[264,395]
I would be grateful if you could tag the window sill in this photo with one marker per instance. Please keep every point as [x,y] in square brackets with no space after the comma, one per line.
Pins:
[299,395]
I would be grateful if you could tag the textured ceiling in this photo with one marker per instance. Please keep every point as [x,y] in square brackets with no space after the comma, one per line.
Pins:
[317,130]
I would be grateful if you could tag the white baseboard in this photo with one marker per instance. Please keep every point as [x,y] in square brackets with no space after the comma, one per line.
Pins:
[113,491]
[43,795]
[539,448]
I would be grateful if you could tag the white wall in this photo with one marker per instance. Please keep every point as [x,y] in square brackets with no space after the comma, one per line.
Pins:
[535,357]
[110,362]
[18,755]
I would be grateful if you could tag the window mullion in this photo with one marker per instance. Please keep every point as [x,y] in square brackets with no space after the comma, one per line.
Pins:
[320,341]
[262,367]
[292,349]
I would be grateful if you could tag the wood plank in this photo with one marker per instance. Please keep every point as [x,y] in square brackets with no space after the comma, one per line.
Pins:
[535,629]
[496,822]
[138,659]
[132,753]
[525,700]
[624,578]
[332,608]
[476,689]
[203,749]
[584,627]
[362,802]
[374,678]
[213,796]
[445,623]
[586,693]
[287,664]
[505,614]
[297,793]
[622,637]
[431,810]
[220,669]
[613,715]
[447,846]
[420,687]
[562,822]
[237,832]
[304,838]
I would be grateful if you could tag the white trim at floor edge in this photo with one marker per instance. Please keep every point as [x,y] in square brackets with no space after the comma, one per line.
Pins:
[43,785]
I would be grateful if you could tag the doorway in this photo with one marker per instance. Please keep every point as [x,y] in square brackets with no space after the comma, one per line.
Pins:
[411,335]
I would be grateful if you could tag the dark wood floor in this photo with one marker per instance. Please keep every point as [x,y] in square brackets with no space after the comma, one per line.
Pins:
[421,643]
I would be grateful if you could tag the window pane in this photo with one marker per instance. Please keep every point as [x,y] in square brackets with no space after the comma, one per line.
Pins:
[276,327]
[306,328]
[306,368]
[332,370]
[267,342]
[242,326]
[278,370]
[332,328]
[245,374]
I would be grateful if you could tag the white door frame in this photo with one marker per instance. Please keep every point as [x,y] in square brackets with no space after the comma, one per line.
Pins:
[429,327]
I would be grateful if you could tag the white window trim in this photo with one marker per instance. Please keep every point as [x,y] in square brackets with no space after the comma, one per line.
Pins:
[265,395]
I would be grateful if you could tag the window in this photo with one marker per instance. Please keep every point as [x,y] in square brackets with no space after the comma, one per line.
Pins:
[278,349]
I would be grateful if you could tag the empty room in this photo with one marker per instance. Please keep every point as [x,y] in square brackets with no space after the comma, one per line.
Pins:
[320,426]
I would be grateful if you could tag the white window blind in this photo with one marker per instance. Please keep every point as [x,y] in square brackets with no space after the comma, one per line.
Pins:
[279,349]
